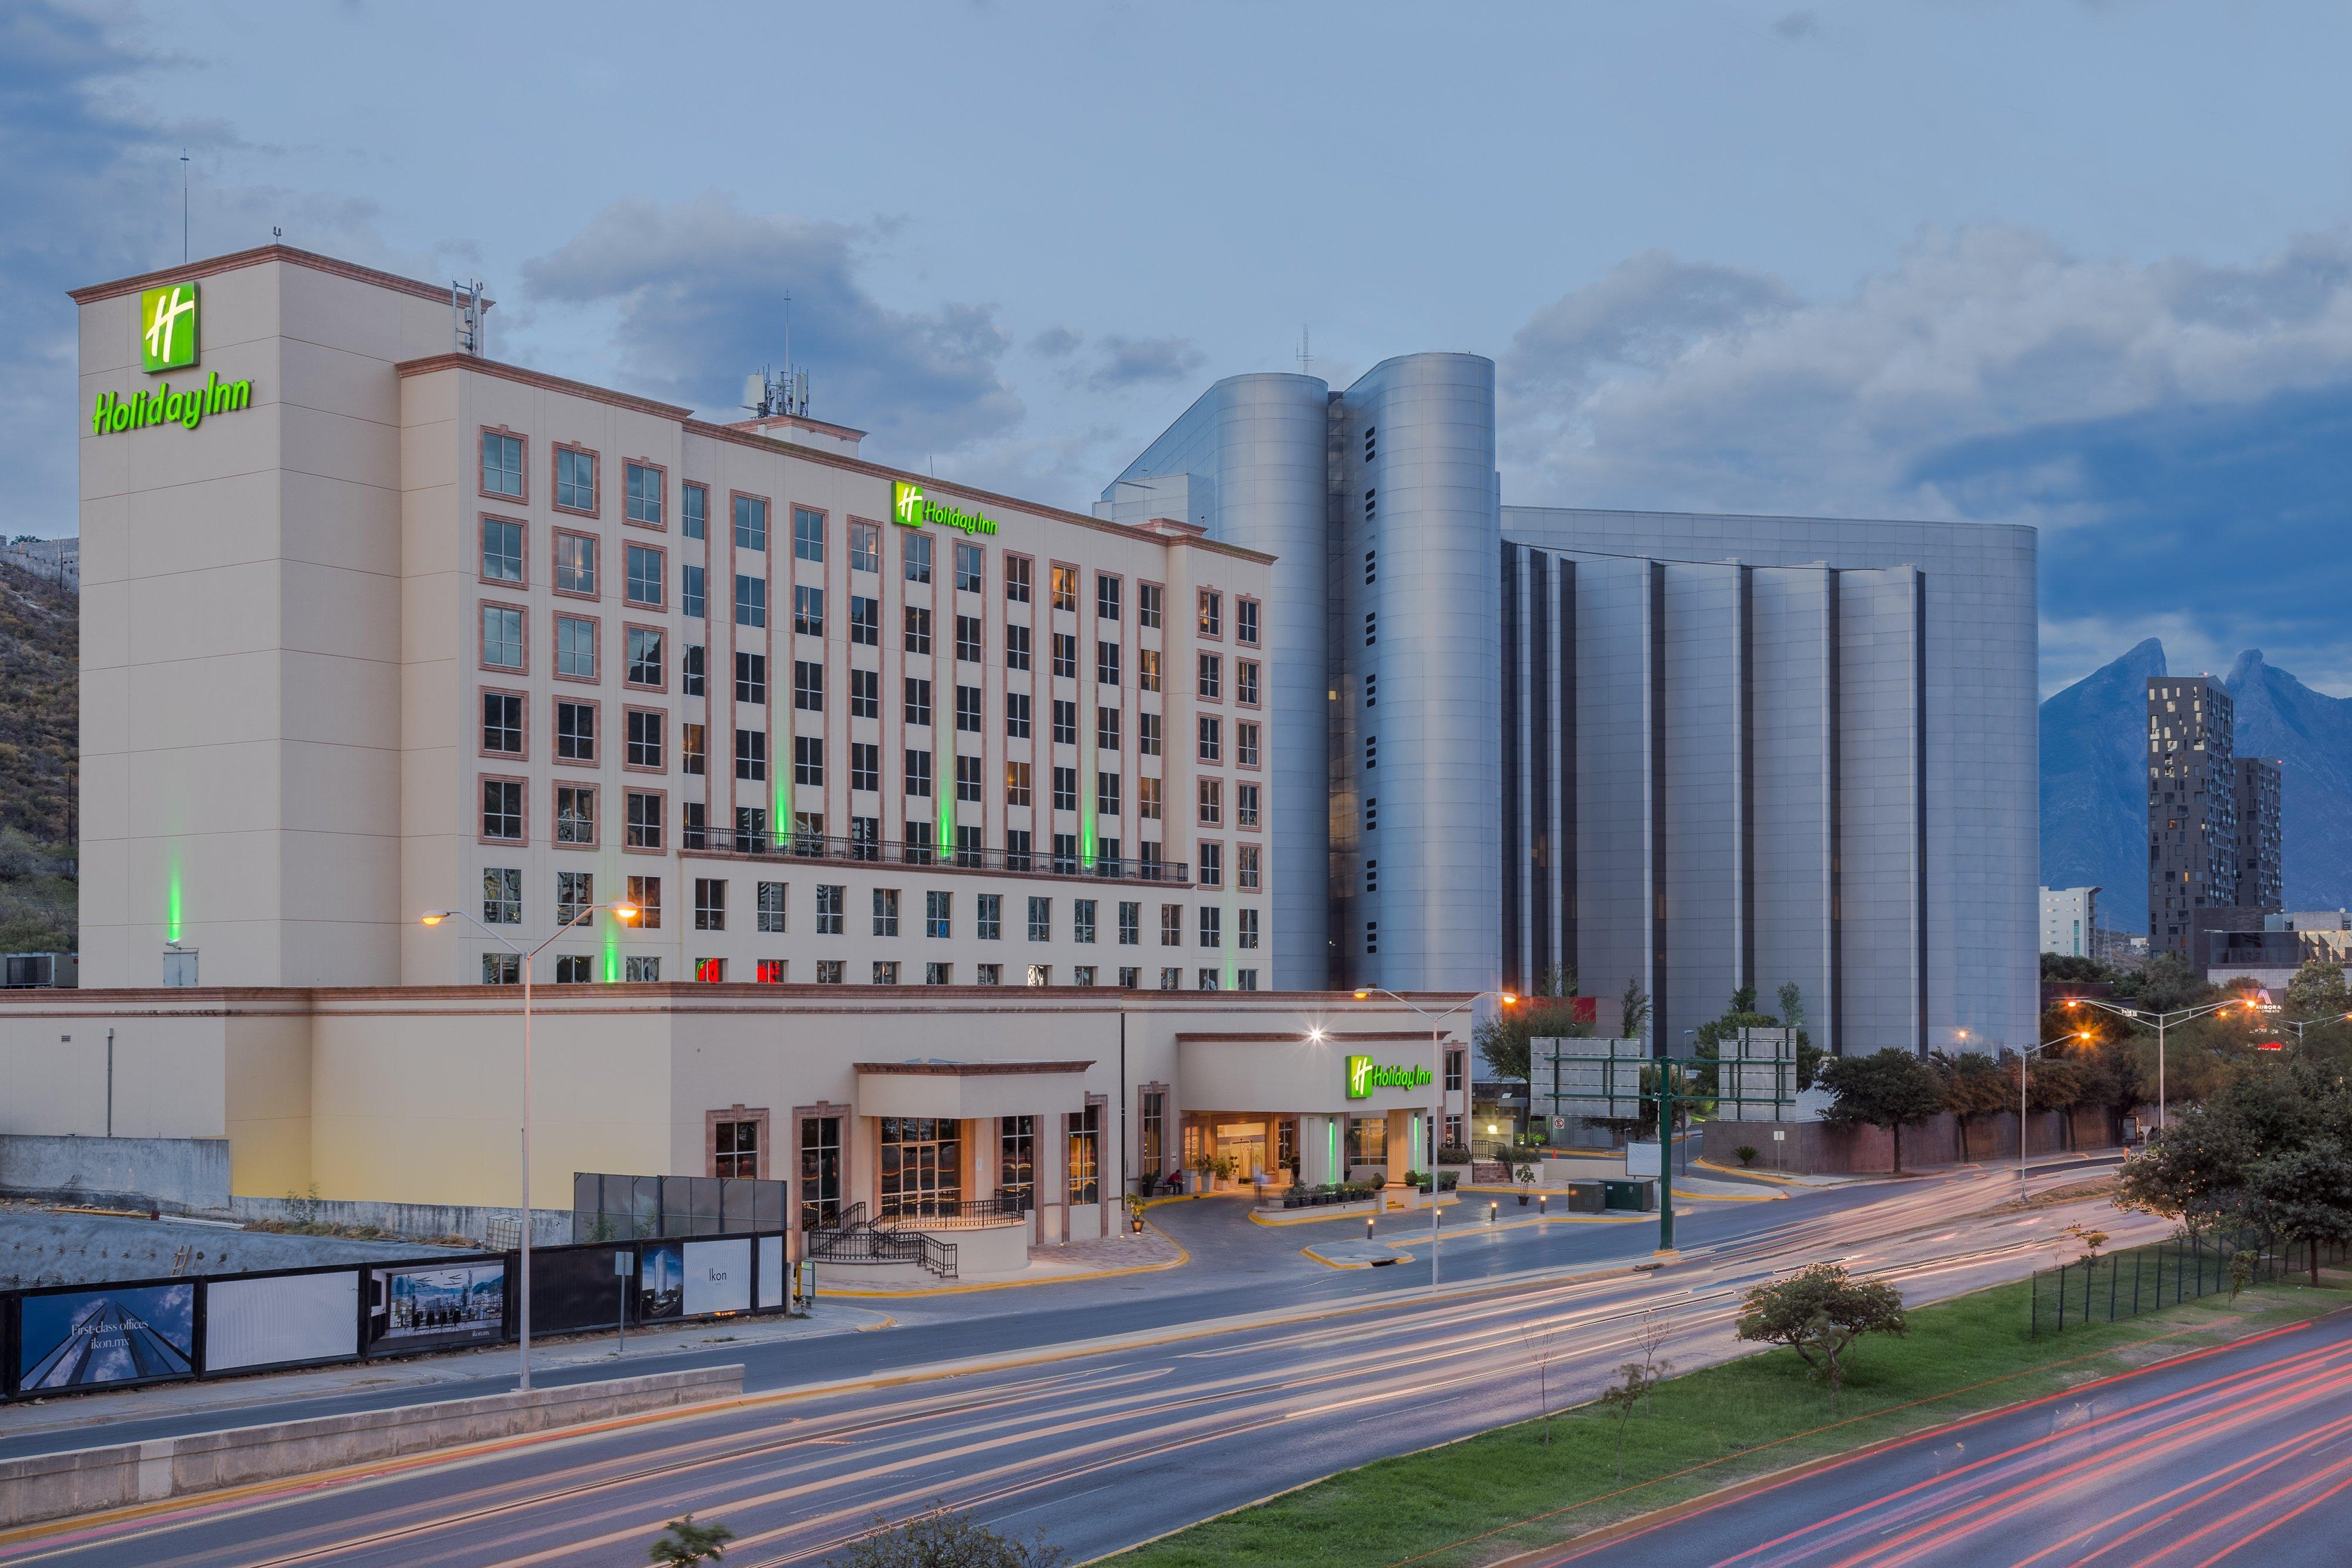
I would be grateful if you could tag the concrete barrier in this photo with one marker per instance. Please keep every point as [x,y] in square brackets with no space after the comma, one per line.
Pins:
[179,1175]
[86,1480]
[423,1221]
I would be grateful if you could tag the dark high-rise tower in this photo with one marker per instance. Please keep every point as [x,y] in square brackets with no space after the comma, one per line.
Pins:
[2192,812]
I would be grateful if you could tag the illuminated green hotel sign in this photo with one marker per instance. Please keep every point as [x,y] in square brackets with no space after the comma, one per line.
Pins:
[908,507]
[167,342]
[1364,1075]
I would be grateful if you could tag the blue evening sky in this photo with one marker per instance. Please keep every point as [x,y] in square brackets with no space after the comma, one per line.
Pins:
[2086,264]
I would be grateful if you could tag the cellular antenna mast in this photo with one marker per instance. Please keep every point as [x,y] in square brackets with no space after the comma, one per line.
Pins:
[184,206]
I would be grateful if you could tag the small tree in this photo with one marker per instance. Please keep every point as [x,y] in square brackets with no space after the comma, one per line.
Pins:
[1634,1011]
[685,1543]
[939,1539]
[1621,1399]
[2090,1240]
[1540,1350]
[1973,1087]
[1891,1088]
[1819,1311]
[2242,1271]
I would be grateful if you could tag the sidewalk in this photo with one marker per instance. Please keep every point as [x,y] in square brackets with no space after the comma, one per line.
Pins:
[1110,1257]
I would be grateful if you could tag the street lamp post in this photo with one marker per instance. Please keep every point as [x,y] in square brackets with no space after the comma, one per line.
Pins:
[2162,1021]
[2024,1056]
[2299,1025]
[1437,1082]
[625,914]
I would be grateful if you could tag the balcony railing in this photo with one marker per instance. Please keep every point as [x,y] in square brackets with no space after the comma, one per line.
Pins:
[932,1214]
[891,851]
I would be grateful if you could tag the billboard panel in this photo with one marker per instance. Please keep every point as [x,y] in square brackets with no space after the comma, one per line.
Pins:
[419,1306]
[718,1277]
[286,1319]
[102,1338]
[771,1272]
[661,1280]
[575,1289]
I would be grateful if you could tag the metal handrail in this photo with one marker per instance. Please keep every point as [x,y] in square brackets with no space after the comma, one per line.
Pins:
[969,1214]
[867,1244]
[727,844]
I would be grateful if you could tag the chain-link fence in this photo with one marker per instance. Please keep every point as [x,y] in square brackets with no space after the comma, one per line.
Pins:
[635,1208]
[2181,1267]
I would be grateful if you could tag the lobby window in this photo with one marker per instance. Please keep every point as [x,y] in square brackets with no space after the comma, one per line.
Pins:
[1212,802]
[1082,920]
[694,510]
[865,694]
[1017,715]
[1246,681]
[575,480]
[573,969]
[750,523]
[1106,729]
[773,971]
[1107,663]
[989,912]
[808,611]
[502,645]
[1066,587]
[710,903]
[968,710]
[751,753]
[967,636]
[575,731]
[1212,736]
[771,906]
[575,814]
[1106,597]
[1040,919]
[1107,795]
[1017,1162]
[502,895]
[693,747]
[645,501]
[692,592]
[502,723]
[1016,579]
[968,779]
[922,1161]
[1172,926]
[918,629]
[1016,647]
[1246,622]
[644,576]
[575,647]
[501,550]
[1367,1141]
[644,647]
[643,830]
[1085,1155]
[808,759]
[1146,604]
[885,912]
[751,601]
[1244,927]
[865,620]
[917,700]
[1213,613]
[1212,927]
[1245,867]
[1147,669]
[939,912]
[864,766]
[644,895]
[751,677]
[865,547]
[641,968]
[967,569]
[1211,677]
[1147,734]
[575,895]
[832,905]
[918,558]
[1066,656]
[1154,1111]
[1130,924]
[1066,723]
[502,810]
[502,968]
[502,464]
[808,535]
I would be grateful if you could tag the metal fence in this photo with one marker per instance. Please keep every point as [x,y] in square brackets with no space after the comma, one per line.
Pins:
[640,1207]
[2183,1268]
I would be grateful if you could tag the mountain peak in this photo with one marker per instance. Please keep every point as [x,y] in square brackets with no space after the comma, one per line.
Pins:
[2249,664]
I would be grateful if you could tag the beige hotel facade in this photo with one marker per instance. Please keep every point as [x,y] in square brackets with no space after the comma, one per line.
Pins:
[904,777]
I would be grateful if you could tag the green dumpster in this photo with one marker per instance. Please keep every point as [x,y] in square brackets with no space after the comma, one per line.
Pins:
[1635,1196]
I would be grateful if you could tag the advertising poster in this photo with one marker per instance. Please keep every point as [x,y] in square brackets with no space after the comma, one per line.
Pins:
[457,1303]
[94,1338]
[272,1322]
[771,1272]
[661,1280]
[575,1289]
[718,1277]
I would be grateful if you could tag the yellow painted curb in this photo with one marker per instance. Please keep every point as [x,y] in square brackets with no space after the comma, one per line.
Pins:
[1311,1219]
[1752,1174]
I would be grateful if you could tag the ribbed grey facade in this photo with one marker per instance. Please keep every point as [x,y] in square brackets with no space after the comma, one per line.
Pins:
[1691,751]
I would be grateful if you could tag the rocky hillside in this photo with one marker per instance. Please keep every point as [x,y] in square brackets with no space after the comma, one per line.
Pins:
[40,792]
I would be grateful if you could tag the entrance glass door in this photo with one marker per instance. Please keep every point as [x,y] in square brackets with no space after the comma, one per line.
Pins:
[923,1172]
[1245,1141]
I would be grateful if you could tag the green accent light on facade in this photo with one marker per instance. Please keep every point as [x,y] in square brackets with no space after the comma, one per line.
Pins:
[612,949]
[172,899]
[947,788]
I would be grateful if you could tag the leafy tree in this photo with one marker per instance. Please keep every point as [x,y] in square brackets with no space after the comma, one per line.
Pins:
[939,1539]
[2166,983]
[1792,1015]
[1505,1042]
[1973,1087]
[1819,1311]
[2304,1195]
[686,1543]
[2215,1161]
[2073,967]
[1634,1011]
[2319,990]
[1890,1088]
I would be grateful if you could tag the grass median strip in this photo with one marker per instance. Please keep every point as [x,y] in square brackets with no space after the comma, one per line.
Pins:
[1505,1491]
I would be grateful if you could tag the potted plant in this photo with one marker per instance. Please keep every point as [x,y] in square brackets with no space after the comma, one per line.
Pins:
[1523,1171]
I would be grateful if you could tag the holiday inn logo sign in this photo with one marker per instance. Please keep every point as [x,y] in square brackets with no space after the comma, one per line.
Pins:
[912,510]
[1364,1075]
[168,339]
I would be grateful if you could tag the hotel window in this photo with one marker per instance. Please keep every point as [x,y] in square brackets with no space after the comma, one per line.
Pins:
[1066,587]
[751,677]
[967,638]
[573,969]
[692,595]
[692,833]
[917,707]
[938,974]
[501,550]
[502,968]
[645,737]
[644,501]
[865,694]
[751,753]
[575,814]
[1017,1162]
[502,646]
[1212,747]
[938,914]
[1150,867]
[1065,788]
[1066,854]
[1245,979]
[1107,794]
[736,1148]
[865,547]
[575,647]
[829,973]
[1245,748]
[967,569]
[694,507]
[1208,979]
[575,480]
[773,971]
[1040,973]
[808,535]
[1172,926]
[918,629]
[751,601]
[1082,920]
[832,905]
[1213,620]
[1147,669]
[502,895]
[808,611]
[1154,1113]
[1040,919]
[750,523]
[502,464]
[575,731]
[1106,729]
[1107,663]
[710,971]
[575,895]
[644,895]
[968,709]
[502,723]
[693,747]
[1016,647]
[1066,656]
[1106,597]
[1130,924]
[885,912]
[1246,681]
[644,829]
[1146,604]
[1455,1061]
[865,620]
[1016,784]
[918,558]
[1212,802]
[968,779]
[1245,928]
[1367,1141]
[1211,682]
[1246,867]
[864,766]
[1146,799]
[1246,622]
[1245,805]
[644,576]
[1147,734]
[1212,865]
[918,780]
[990,917]
[1172,979]
[643,645]
[1085,1155]
[710,903]
[1017,715]
[1107,857]
[1017,580]
[808,759]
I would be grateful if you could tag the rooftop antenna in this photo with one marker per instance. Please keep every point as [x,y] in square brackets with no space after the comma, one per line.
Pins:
[466,316]
[1305,355]
[184,206]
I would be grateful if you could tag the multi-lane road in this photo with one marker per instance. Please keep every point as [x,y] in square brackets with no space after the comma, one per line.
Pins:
[1101,1443]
